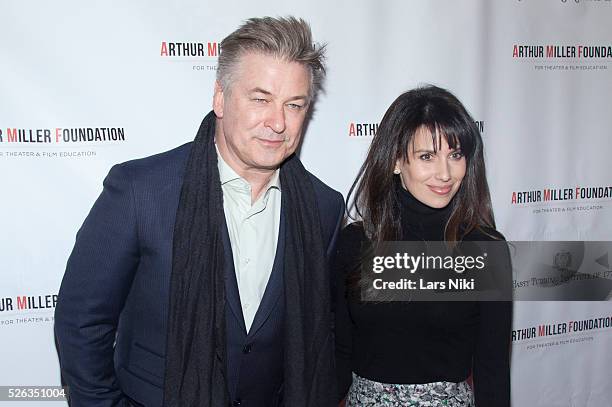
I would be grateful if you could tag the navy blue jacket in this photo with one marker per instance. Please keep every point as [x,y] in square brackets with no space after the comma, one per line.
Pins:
[111,316]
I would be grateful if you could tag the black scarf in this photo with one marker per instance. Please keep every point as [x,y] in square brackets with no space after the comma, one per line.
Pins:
[196,344]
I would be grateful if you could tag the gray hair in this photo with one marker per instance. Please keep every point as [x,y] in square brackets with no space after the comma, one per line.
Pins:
[287,38]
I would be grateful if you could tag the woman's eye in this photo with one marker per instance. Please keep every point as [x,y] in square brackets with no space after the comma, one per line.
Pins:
[457,155]
[426,156]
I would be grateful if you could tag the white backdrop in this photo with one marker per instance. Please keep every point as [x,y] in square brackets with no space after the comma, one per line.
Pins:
[546,123]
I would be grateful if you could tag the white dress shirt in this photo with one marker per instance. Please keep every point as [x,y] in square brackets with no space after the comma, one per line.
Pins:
[253,232]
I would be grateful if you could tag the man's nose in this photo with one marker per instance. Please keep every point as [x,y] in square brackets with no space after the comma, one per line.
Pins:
[276,119]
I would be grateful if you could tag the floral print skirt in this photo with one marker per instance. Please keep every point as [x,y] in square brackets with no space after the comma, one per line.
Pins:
[368,393]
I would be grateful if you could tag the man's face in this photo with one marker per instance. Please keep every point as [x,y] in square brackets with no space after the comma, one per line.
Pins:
[260,116]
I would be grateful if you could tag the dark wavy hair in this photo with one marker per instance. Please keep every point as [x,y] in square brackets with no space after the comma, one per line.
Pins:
[440,112]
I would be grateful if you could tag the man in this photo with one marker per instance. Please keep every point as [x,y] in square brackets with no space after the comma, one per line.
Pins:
[200,277]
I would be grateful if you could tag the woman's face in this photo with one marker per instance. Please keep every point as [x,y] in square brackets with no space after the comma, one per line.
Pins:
[432,177]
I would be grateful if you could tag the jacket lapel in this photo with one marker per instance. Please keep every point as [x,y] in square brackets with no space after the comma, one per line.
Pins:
[274,288]
[231,284]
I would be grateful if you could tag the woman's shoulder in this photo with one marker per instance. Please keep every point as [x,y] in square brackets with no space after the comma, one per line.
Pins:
[483,233]
[351,237]
[349,248]
[498,253]
[353,230]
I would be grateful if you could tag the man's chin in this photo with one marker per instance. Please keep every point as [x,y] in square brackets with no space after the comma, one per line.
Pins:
[268,165]
[272,162]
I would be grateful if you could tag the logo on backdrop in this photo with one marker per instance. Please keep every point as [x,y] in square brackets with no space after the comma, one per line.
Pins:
[189,49]
[562,51]
[550,335]
[360,129]
[575,2]
[585,1]
[81,140]
[567,199]
[60,135]
[564,57]
[27,309]
[201,56]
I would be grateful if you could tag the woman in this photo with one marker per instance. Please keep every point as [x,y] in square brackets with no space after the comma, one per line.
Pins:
[423,179]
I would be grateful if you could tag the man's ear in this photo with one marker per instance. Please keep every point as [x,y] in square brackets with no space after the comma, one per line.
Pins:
[218,100]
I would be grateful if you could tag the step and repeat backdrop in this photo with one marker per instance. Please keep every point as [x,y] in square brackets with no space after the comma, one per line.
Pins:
[85,85]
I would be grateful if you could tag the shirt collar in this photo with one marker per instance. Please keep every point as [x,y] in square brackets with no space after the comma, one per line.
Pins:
[227,174]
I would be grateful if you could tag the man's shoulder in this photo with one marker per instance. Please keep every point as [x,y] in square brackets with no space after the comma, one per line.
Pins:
[324,192]
[330,203]
[169,163]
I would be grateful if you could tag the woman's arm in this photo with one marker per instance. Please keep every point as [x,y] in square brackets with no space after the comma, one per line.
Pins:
[346,254]
[492,353]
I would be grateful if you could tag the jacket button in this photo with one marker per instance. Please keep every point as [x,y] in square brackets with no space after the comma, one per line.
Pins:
[236,402]
[247,348]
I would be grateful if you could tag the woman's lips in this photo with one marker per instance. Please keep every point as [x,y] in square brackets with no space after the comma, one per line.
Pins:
[440,190]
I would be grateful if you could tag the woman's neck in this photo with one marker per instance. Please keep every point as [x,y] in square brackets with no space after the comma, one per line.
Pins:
[420,221]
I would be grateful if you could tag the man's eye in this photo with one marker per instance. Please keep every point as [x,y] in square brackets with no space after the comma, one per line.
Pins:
[259,100]
[295,106]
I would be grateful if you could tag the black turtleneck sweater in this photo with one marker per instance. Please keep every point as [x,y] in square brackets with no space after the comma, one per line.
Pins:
[420,342]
